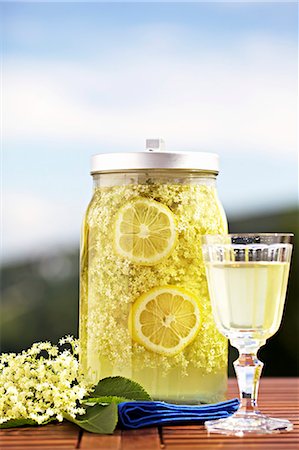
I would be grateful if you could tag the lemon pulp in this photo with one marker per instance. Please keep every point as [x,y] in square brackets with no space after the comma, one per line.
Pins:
[144,231]
[165,320]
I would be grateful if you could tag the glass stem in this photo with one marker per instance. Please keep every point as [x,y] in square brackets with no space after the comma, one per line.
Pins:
[248,369]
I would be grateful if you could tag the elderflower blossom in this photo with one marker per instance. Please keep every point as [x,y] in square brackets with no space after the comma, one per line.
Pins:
[111,283]
[41,383]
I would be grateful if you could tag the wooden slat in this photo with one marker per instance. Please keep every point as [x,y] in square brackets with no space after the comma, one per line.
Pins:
[63,435]
[97,441]
[143,439]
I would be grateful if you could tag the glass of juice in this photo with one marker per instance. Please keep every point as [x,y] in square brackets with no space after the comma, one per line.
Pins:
[247,278]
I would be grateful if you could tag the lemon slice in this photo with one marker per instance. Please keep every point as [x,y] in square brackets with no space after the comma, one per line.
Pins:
[144,231]
[165,319]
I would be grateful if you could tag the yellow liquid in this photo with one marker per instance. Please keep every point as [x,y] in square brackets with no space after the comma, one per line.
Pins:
[248,296]
[110,284]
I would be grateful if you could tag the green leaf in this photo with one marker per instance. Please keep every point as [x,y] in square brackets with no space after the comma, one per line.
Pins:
[120,387]
[100,419]
[106,400]
[101,408]
[14,423]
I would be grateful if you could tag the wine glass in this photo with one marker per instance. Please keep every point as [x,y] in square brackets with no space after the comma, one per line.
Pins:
[247,277]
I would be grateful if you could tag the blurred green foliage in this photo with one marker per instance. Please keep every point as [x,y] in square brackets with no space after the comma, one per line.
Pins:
[40,299]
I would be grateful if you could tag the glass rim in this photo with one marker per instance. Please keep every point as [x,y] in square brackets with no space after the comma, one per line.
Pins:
[249,234]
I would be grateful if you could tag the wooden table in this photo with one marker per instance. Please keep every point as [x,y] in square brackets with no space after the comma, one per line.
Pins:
[278,397]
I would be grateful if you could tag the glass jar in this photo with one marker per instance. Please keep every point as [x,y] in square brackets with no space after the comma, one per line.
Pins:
[145,310]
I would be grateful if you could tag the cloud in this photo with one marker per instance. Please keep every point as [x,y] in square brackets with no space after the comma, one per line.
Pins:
[32,223]
[239,97]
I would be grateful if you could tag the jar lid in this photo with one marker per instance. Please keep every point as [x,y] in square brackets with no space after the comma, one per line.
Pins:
[154,158]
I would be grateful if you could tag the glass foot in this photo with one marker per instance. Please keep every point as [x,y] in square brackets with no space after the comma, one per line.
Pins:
[240,424]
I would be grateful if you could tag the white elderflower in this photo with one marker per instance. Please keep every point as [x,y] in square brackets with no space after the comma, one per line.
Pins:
[41,383]
[107,293]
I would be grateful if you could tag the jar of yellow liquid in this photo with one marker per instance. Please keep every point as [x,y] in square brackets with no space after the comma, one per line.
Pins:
[145,310]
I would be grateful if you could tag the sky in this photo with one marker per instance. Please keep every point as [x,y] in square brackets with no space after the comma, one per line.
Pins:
[85,78]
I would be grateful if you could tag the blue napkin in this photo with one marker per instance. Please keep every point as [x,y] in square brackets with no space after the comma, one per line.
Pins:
[134,415]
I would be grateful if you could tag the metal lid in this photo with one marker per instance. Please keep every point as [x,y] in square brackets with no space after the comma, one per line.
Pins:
[154,158]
